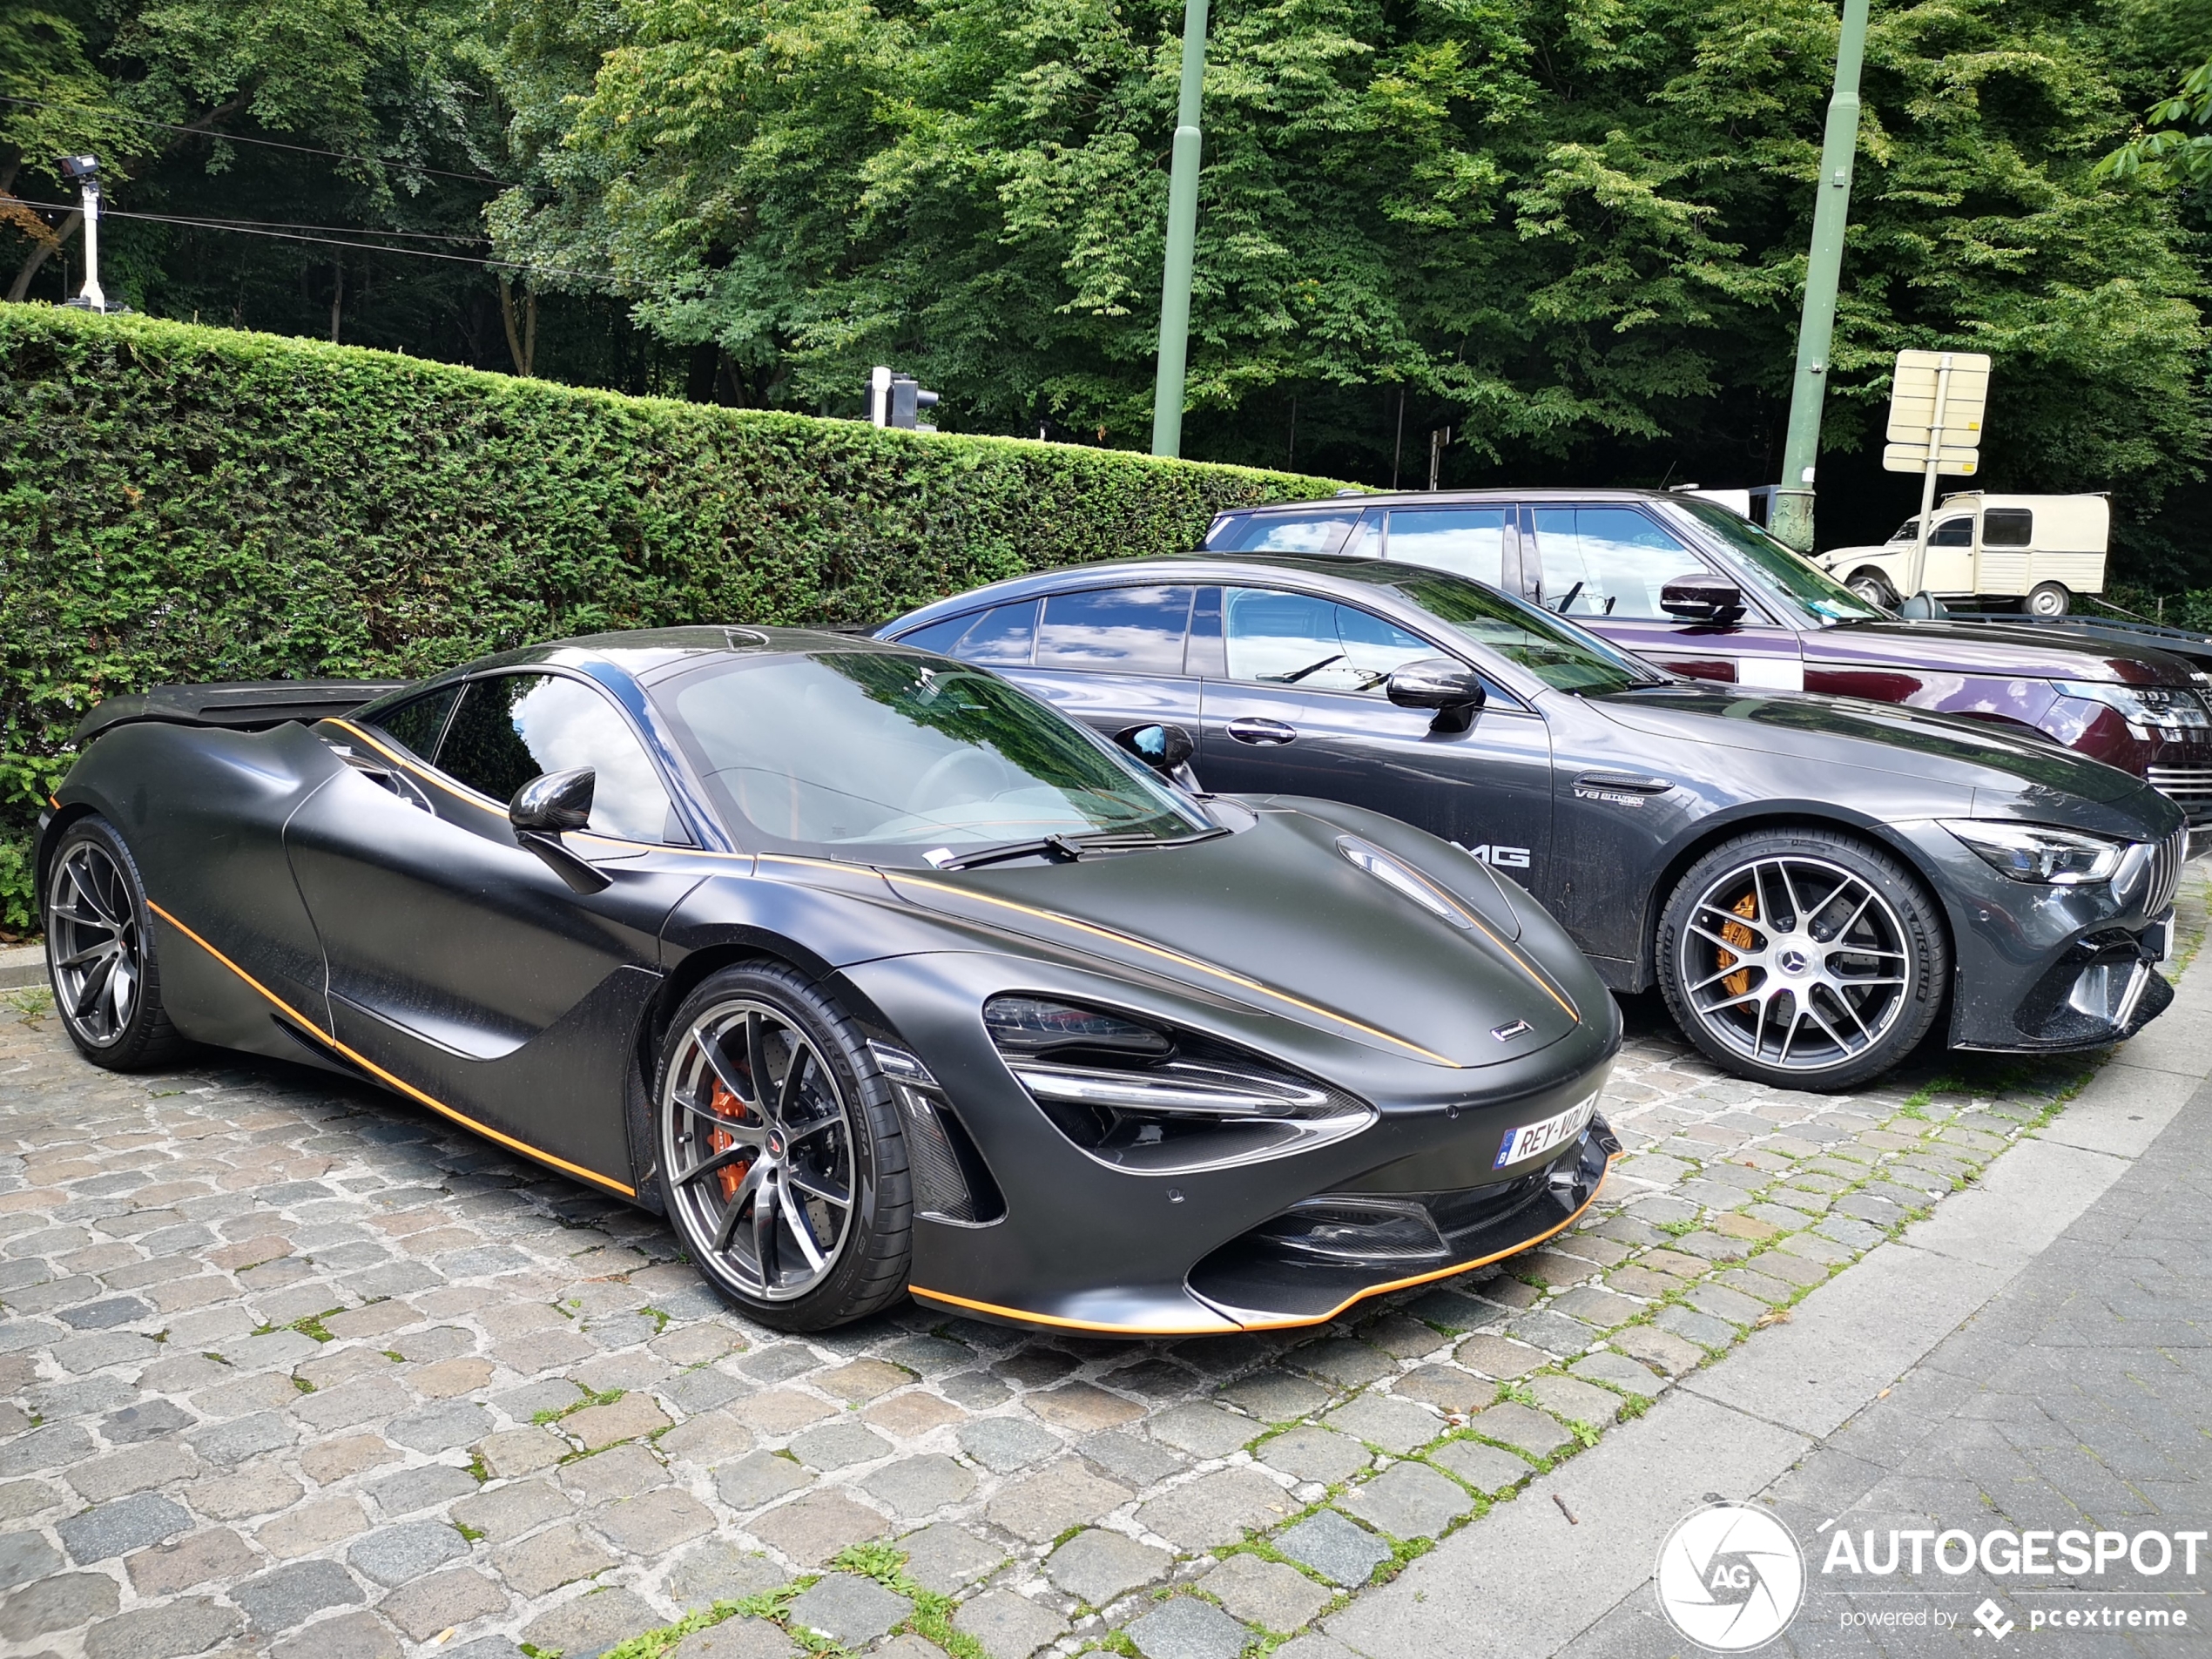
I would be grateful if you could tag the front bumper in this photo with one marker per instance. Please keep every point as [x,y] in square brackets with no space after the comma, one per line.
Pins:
[2042,969]
[1076,1244]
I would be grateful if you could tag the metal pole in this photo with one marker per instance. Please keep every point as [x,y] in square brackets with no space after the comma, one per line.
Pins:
[1183,235]
[1792,513]
[94,297]
[1928,483]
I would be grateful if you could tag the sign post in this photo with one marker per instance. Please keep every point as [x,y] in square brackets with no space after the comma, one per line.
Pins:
[1936,403]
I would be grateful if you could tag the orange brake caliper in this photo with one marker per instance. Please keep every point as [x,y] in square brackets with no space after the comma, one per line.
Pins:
[725,1104]
[1744,939]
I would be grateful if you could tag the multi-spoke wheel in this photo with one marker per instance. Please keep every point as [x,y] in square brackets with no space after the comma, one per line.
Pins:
[1801,958]
[781,1160]
[100,952]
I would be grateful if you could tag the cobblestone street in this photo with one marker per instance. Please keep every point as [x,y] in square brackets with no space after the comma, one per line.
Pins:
[293,1368]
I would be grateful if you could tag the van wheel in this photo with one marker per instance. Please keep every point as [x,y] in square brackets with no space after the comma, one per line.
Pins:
[2049,599]
[1801,958]
[1873,587]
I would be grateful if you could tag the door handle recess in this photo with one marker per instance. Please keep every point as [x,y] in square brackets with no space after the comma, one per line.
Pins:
[1248,730]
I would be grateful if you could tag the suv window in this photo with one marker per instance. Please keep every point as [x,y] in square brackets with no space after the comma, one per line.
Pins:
[1466,540]
[1279,638]
[2008,527]
[1607,561]
[1286,532]
[1953,532]
[416,724]
[510,728]
[1002,636]
[1128,630]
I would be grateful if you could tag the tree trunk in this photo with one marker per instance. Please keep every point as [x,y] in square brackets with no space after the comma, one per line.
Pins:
[522,343]
[337,299]
[21,285]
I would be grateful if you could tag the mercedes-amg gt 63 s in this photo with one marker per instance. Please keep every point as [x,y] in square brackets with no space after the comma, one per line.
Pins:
[1809,881]
[872,973]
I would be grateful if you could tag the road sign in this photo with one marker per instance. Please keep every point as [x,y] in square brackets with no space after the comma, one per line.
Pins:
[1913,395]
[1912,457]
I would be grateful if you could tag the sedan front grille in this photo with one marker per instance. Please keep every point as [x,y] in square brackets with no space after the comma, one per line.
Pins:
[2187,788]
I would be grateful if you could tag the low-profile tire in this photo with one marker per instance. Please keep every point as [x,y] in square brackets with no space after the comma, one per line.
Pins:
[1802,958]
[100,954]
[2048,599]
[793,1200]
[1873,587]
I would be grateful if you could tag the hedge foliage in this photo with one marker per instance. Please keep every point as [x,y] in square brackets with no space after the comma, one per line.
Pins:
[181,503]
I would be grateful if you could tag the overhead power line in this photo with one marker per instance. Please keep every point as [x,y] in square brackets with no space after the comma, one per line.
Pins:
[265,144]
[238,228]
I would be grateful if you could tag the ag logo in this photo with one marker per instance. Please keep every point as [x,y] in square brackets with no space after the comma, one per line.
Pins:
[1730,1577]
[1501,858]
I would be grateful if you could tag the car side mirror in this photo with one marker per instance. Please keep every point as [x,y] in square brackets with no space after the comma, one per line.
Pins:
[1454,689]
[1163,748]
[1702,599]
[1923,607]
[549,804]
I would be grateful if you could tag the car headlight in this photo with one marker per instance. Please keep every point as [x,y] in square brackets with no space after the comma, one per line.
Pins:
[1155,1101]
[2154,705]
[2038,853]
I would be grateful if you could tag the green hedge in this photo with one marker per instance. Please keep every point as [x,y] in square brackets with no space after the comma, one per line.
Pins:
[180,504]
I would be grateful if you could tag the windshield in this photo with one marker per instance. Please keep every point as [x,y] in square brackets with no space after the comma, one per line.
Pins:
[1797,577]
[1555,650]
[882,758]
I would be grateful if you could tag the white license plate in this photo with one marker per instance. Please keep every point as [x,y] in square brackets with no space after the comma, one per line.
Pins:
[1531,1139]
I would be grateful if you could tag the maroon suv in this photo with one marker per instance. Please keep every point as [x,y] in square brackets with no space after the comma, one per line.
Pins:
[1698,589]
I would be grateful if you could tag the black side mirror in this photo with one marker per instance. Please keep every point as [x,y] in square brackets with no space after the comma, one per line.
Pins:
[1702,599]
[1163,748]
[1454,689]
[548,805]
[1923,607]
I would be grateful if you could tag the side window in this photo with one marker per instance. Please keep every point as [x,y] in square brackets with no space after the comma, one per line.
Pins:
[1276,638]
[2008,527]
[1469,542]
[1002,636]
[415,725]
[509,729]
[1321,532]
[1910,531]
[1953,532]
[1128,630]
[1607,561]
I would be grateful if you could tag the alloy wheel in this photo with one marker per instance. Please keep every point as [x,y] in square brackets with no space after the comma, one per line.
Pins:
[1794,963]
[93,942]
[762,1154]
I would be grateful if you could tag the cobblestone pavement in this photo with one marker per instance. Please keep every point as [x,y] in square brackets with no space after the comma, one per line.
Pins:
[293,1368]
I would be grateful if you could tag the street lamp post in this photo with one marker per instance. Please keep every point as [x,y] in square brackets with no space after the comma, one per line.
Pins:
[1791,518]
[1183,235]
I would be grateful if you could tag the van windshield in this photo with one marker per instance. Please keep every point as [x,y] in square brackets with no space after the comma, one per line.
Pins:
[1797,577]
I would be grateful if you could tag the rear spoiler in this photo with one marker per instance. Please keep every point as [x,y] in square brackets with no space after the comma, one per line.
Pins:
[243,706]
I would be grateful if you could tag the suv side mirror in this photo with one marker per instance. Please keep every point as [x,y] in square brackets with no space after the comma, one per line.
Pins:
[542,808]
[1923,607]
[1702,599]
[1163,748]
[1454,689]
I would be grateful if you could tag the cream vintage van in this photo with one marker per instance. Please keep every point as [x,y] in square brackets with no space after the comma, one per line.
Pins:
[2039,550]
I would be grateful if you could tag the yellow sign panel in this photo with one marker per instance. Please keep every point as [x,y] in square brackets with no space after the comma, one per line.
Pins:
[1959,460]
[1912,398]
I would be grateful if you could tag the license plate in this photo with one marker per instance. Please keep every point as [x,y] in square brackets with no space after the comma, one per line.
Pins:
[1531,1139]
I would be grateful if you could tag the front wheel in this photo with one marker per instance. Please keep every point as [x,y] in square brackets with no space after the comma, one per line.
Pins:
[1801,958]
[2049,599]
[782,1165]
[1873,587]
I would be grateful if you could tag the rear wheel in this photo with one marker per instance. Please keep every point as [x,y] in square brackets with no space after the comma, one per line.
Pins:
[782,1163]
[2049,599]
[100,953]
[1873,587]
[1801,958]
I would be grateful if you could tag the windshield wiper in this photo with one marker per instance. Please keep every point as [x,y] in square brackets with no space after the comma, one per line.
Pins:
[1068,848]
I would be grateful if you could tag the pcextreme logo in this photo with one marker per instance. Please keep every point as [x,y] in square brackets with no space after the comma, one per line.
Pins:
[1730,1577]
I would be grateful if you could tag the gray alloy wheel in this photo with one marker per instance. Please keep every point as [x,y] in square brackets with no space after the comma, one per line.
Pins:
[100,952]
[1801,958]
[774,1163]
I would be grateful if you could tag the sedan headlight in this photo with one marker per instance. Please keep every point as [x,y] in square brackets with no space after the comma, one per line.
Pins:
[1146,1099]
[2038,853]
[2155,705]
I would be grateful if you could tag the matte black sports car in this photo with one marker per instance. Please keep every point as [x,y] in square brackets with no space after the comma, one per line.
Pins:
[1807,879]
[869,971]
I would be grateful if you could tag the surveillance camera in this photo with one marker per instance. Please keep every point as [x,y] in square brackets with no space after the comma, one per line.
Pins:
[80,169]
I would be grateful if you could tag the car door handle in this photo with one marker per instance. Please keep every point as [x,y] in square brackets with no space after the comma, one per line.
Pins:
[1248,730]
